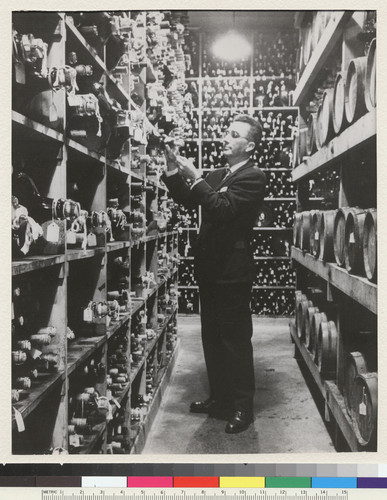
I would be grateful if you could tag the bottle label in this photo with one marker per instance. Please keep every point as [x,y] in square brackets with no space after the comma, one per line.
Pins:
[71,238]
[52,233]
[91,240]
[19,421]
[35,353]
[74,440]
[88,315]
[362,409]
[352,238]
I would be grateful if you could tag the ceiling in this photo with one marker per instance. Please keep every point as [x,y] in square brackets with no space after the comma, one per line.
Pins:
[218,20]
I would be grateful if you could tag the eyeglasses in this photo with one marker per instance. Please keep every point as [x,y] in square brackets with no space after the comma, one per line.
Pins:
[234,134]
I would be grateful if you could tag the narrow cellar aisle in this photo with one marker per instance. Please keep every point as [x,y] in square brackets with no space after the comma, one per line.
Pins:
[285,412]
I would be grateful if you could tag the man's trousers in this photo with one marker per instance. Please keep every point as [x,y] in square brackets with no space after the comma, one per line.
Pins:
[226,336]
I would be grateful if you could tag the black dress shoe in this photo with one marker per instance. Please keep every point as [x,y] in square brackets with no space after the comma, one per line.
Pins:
[202,406]
[239,422]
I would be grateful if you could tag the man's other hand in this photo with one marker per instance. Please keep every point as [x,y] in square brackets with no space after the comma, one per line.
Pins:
[187,168]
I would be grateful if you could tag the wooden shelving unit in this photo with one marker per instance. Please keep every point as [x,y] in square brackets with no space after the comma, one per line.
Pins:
[84,356]
[352,154]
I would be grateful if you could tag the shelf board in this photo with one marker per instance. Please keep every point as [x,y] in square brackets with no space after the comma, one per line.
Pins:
[34,130]
[280,199]
[274,169]
[161,329]
[117,245]
[187,258]
[255,108]
[136,176]
[272,257]
[356,287]
[80,349]
[137,304]
[91,440]
[320,55]
[257,228]
[81,39]
[149,238]
[308,358]
[264,139]
[192,287]
[77,254]
[41,387]
[135,370]
[117,324]
[32,263]
[254,77]
[356,135]
[255,287]
[336,404]
[117,167]
[79,148]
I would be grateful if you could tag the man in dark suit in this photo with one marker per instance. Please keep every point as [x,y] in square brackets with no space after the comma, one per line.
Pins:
[224,267]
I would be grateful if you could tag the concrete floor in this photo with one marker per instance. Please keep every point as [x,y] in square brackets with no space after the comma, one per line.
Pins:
[286,418]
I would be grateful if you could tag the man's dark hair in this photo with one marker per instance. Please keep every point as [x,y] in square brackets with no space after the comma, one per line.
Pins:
[255,132]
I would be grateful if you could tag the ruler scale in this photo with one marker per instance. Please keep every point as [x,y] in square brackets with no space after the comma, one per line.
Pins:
[85,493]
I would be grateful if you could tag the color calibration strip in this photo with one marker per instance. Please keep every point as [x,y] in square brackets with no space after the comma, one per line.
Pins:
[164,475]
[192,482]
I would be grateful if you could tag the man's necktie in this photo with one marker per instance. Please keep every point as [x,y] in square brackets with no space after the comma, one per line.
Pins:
[228,172]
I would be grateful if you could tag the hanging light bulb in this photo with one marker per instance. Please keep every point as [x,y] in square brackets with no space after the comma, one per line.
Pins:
[232,46]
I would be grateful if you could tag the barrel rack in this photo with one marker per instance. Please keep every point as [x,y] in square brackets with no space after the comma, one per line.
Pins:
[352,154]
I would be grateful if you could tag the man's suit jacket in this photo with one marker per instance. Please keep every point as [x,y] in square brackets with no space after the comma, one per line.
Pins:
[223,252]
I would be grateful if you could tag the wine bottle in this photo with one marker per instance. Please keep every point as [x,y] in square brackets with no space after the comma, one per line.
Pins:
[39,207]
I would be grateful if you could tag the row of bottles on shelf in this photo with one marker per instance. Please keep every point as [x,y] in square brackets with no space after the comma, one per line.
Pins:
[272,93]
[95,118]
[272,302]
[142,35]
[271,245]
[235,93]
[274,273]
[269,154]
[230,93]
[279,185]
[276,214]
[274,54]
[275,124]
[325,185]
[267,273]
[264,302]
[263,244]
[97,388]
[44,225]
